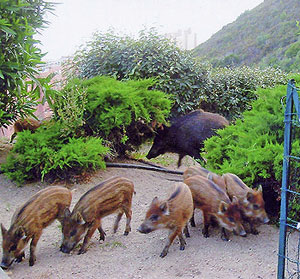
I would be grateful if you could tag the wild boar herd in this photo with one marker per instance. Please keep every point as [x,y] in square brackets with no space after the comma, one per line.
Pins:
[223,199]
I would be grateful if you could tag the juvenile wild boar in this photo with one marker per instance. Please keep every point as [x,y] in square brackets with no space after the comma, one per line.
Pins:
[112,195]
[215,206]
[29,221]
[251,201]
[186,134]
[198,170]
[25,124]
[173,214]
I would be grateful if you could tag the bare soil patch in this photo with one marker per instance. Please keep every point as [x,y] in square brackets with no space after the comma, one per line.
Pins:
[137,255]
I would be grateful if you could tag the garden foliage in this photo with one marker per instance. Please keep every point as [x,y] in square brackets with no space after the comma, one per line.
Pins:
[190,83]
[123,112]
[92,119]
[150,55]
[49,154]
[19,56]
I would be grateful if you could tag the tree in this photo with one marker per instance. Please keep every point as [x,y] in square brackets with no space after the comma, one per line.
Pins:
[19,56]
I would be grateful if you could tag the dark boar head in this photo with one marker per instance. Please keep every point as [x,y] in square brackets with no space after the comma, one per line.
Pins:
[160,143]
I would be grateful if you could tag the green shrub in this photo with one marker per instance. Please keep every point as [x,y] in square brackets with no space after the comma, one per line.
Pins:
[150,55]
[47,154]
[231,90]
[68,106]
[19,56]
[253,147]
[122,112]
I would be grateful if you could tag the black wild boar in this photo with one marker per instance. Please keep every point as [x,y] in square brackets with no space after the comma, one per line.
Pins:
[187,134]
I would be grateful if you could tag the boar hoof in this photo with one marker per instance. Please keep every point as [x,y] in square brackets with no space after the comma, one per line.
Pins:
[182,247]
[81,251]
[163,254]
[102,237]
[31,261]
[205,233]
[255,231]
[126,233]
[20,258]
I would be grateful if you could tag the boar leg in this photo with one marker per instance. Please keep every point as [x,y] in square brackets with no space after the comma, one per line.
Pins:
[186,231]
[20,257]
[102,232]
[171,238]
[116,224]
[253,228]
[182,241]
[192,220]
[206,222]
[96,224]
[128,213]
[224,235]
[33,243]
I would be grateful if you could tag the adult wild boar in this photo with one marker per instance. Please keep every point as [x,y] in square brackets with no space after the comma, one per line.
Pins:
[186,134]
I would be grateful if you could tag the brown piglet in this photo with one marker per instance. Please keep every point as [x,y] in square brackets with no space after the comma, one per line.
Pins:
[173,214]
[25,124]
[29,221]
[251,201]
[112,195]
[215,206]
[198,170]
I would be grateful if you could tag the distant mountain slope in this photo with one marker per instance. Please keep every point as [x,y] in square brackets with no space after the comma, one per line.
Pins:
[266,35]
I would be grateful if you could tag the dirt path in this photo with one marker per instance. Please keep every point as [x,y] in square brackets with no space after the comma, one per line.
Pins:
[137,255]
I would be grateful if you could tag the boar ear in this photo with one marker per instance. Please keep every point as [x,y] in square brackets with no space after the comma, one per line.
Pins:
[250,196]
[3,230]
[20,233]
[235,200]
[67,213]
[223,207]
[259,189]
[209,176]
[155,200]
[78,218]
[165,208]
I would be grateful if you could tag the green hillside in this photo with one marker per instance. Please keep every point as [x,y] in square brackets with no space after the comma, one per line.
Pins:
[266,35]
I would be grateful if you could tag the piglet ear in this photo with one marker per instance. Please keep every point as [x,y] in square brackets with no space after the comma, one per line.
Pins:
[235,200]
[79,218]
[165,208]
[3,230]
[20,233]
[67,213]
[155,200]
[223,207]
[250,196]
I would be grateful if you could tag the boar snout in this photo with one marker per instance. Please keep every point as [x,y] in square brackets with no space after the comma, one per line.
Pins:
[5,264]
[144,229]
[243,233]
[65,249]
